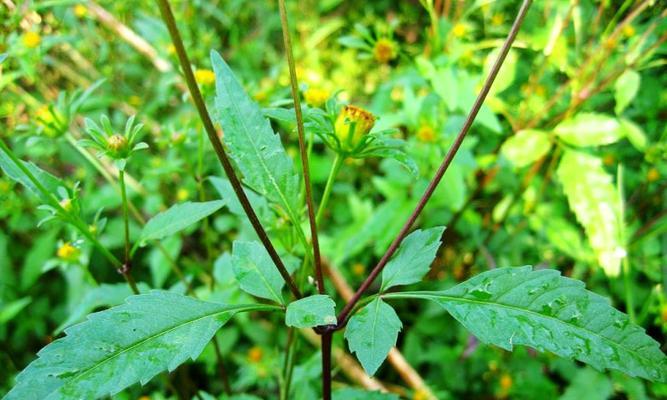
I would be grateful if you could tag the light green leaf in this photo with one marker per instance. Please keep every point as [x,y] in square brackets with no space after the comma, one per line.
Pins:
[311,311]
[589,384]
[256,272]
[594,199]
[625,89]
[177,218]
[589,129]
[360,394]
[507,72]
[413,258]
[634,133]
[372,332]
[124,345]
[526,147]
[10,309]
[252,144]
[541,309]
[48,181]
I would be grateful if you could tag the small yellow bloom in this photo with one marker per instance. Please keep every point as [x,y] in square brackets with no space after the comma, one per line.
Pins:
[4,186]
[459,30]
[134,100]
[182,194]
[663,313]
[255,354]
[351,126]
[358,269]
[66,204]
[171,49]
[652,175]
[540,90]
[117,143]
[629,30]
[80,10]
[68,252]
[315,96]
[51,121]
[397,93]
[425,133]
[384,50]
[420,394]
[205,77]
[506,382]
[31,39]
[497,19]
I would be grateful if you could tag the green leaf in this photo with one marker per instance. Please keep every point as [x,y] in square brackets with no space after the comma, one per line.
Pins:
[48,181]
[507,72]
[124,345]
[177,218]
[256,272]
[360,394]
[594,199]
[625,89]
[589,129]
[634,133]
[372,332]
[590,385]
[543,310]
[10,309]
[311,311]
[252,144]
[526,147]
[413,258]
[104,295]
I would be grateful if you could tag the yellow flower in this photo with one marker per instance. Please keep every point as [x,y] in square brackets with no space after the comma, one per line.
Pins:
[205,77]
[171,49]
[459,30]
[652,175]
[182,194]
[425,133]
[51,120]
[351,126]
[420,394]
[609,160]
[117,143]
[358,269]
[506,382]
[497,19]
[134,100]
[315,96]
[396,93]
[66,204]
[80,10]
[5,186]
[31,39]
[629,30]
[255,354]
[663,313]
[384,50]
[68,252]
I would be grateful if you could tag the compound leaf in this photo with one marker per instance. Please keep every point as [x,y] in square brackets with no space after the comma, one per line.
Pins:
[124,345]
[543,310]
[372,332]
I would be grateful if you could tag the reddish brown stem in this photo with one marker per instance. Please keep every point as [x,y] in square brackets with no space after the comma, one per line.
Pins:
[342,317]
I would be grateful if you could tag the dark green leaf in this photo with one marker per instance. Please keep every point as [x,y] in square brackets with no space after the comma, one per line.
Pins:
[256,272]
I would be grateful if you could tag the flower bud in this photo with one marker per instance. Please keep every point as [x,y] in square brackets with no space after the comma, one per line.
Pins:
[67,252]
[351,126]
[117,145]
[384,50]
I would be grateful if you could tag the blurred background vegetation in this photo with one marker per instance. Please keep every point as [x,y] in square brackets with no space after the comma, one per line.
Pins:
[564,168]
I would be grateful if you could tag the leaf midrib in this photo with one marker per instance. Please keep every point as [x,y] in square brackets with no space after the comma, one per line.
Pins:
[141,342]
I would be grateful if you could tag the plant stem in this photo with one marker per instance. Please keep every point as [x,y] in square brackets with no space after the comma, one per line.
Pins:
[342,317]
[338,162]
[302,147]
[126,217]
[72,219]
[200,105]
[629,299]
[326,365]
[288,365]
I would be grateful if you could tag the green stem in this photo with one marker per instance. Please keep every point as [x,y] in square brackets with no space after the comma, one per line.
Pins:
[288,366]
[126,217]
[338,162]
[629,299]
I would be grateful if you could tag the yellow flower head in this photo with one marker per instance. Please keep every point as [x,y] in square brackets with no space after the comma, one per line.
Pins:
[351,126]
[420,394]
[315,96]
[182,194]
[66,204]
[134,100]
[653,175]
[358,269]
[663,313]
[459,30]
[425,133]
[629,30]
[506,382]
[205,77]
[497,19]
[80,10]
[384,50]
[117,143]
[31,39]
[68,252]
[51,120]
[255,354]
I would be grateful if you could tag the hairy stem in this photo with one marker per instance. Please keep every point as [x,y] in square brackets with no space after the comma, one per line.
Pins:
[342,317]
[200,105]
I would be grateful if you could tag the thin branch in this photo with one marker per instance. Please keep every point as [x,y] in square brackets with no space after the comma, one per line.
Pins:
[198,100]
[302,147]
[342,317]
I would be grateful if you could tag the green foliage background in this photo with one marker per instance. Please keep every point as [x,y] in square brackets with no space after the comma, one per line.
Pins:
[564,169]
